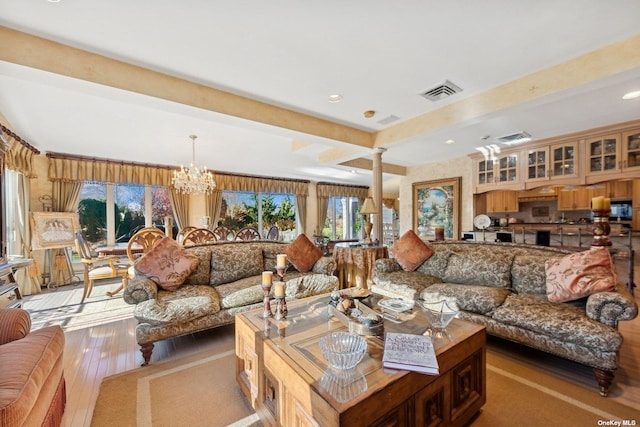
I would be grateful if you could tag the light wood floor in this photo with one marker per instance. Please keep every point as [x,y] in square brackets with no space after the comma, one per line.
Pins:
[100,341]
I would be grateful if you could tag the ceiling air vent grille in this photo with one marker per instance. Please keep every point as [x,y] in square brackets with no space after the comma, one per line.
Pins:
[515,138]
[441,91]
[388,119]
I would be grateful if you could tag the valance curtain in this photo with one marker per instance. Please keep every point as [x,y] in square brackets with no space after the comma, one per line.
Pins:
[326,190]
[19,155]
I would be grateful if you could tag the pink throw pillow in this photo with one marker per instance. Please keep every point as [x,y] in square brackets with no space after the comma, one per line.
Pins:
[578,275]
[167,263]
[302,253]
[410,251]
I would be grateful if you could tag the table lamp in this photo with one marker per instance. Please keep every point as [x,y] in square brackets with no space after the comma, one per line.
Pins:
[368,208]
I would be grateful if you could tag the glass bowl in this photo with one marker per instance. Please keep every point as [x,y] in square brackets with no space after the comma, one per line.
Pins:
[439,313]
[343,350]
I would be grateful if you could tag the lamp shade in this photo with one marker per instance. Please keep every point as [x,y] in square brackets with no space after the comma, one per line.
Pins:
[368,207]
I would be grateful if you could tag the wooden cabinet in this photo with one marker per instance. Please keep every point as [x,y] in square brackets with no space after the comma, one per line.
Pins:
[500,172]
[502,201]
[10,296]
[611,155]
[619,190]
[578,199]
[540,193]
[555,162]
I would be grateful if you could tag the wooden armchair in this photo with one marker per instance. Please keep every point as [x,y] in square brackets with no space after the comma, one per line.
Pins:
[247,233]
[198,235]
[98,267]
[183,232]
[223,233]
[273,233]
[141,242]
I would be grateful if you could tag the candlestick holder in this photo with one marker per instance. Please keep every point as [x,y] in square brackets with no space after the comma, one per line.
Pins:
[266,313]
[601,228]
[281,308]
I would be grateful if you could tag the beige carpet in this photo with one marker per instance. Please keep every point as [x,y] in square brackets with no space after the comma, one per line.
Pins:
[201,390]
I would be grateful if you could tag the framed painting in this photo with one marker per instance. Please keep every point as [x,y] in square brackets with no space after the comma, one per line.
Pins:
[437,204]
[51,230]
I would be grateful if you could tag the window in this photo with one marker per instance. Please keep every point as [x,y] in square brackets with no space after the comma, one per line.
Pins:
[343,221]
[134,206]
[260,211]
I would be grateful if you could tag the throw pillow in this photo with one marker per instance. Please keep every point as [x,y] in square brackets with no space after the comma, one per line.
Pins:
[167,263]
[302,253]
[410,251]
[580,274]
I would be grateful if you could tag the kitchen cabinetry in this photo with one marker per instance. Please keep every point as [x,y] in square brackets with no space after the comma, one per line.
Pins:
[552,163]
[611,155]
[578,199]
[502,201]
[500,172]
[619,190]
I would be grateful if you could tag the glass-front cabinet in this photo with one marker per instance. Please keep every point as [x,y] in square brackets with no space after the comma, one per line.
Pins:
[553,162]
[500,172]
[602,154]
[631,150]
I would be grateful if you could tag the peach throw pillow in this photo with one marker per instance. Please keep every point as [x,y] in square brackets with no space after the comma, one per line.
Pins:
[167,263]
[302,253]
[410,251]
[578,275]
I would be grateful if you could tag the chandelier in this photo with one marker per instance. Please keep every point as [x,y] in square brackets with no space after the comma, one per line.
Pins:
[192,179]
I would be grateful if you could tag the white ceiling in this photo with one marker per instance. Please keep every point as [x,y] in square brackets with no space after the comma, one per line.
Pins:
[379,55]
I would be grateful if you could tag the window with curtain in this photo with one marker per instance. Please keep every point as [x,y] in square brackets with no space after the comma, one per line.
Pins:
[261,211]
[343,220]
[130,209]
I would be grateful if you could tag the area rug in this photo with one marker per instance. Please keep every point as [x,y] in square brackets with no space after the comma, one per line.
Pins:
[201,390]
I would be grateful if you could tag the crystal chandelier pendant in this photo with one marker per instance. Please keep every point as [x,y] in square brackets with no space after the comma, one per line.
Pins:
[192,179]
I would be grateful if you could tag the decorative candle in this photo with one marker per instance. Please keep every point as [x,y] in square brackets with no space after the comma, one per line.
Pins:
[267,277]
[281,260]
[597,203]
[607,204]
[278,289]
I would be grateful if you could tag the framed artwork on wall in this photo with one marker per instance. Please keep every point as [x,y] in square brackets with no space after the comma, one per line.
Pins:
[437,204]
[51,230]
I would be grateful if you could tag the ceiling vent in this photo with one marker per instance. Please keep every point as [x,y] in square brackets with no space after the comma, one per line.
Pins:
[388,119]
[441,91]
[514,138]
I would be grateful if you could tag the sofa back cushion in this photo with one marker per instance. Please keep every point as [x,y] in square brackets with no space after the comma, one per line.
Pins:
[436,265]
[480,267]
[200,276]
[234,262]
[167,263]
[528,274]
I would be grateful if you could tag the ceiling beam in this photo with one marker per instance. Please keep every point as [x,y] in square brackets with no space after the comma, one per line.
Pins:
[607,61]
[367,164]
[43,54]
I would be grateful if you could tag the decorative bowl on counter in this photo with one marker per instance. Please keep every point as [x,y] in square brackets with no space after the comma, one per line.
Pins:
[343,350]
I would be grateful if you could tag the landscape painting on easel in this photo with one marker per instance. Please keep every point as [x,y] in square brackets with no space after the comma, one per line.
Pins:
[51,230]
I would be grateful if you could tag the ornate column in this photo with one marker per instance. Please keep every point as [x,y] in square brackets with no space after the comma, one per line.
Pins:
[376,190]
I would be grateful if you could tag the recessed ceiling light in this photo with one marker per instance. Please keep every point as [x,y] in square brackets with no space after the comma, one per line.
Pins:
[449,141]
[53,1]
[336,97]
[369,113]
[632,95]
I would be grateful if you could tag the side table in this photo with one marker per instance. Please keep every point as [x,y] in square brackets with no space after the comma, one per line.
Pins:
[10,296]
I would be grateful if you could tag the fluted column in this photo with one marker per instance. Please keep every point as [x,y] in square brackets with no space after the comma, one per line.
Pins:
[376,189]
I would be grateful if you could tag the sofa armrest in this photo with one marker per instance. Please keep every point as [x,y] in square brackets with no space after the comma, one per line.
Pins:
[611,307]
[140,289]
[15,323]
[325,265]
[386,265]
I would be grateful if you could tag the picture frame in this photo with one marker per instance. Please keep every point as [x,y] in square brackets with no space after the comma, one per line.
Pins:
[53,230]
[437,204]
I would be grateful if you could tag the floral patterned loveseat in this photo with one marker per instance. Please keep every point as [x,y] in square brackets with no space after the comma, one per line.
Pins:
[227,281]
[503,286]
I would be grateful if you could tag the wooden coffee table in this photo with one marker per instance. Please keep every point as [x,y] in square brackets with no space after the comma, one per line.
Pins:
[281,371]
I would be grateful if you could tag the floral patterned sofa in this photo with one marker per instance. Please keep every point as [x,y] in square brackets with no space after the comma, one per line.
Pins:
[507,288]
[226,280]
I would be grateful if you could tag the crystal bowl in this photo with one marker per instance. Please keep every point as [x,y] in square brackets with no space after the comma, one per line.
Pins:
[343,350]
[439,313]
